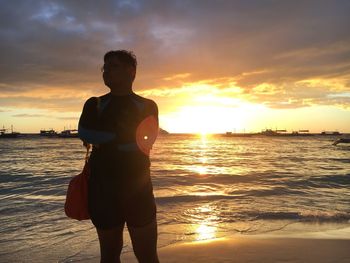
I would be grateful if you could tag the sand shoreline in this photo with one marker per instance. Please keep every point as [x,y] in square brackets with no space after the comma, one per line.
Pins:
[330,246]
[261,250]
[256,249]
[290,245]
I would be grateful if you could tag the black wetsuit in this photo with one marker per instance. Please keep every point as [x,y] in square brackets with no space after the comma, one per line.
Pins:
[120,187]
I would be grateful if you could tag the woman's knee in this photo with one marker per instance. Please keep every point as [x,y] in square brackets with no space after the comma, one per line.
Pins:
[111,244]
[144,241]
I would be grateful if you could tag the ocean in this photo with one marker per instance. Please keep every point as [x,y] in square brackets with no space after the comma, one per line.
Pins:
[205,186]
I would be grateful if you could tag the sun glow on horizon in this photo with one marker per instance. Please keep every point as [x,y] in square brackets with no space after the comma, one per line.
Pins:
[210,114]
[206,119]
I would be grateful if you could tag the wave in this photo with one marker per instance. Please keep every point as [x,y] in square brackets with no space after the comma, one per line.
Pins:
[321,217]
[240,194]
[324,181]
[273,191]
[332,180]
[272,187]
[192,198]
[186,178]
[272,179]
[342,160]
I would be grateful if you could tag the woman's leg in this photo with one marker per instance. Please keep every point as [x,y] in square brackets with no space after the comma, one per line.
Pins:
[111,244]
[144,242]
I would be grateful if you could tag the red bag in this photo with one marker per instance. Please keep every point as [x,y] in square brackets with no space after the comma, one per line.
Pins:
[76,205]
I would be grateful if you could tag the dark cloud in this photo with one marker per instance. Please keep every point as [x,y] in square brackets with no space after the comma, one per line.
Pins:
[26,115]
[68,118]
[53,104]
[60,44]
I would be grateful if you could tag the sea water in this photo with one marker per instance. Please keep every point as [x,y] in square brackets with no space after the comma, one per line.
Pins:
[205,186]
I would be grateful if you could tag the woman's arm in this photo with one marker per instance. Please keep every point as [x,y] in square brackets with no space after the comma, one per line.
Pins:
[88,128]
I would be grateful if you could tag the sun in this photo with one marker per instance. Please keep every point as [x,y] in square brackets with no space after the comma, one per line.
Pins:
[204,120]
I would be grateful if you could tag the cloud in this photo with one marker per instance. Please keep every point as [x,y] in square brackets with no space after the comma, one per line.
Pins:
[52,104]
[178,76]
[50,49]
[25,115]
[48,116]
[68,118]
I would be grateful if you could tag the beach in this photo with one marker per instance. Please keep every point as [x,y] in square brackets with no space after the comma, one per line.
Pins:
[331,246]
[244,249]
[321,247]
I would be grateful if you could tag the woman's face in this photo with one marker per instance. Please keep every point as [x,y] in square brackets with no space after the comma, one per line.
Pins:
[116,73]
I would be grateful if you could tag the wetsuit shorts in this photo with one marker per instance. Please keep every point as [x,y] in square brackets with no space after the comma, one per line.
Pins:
[120,190]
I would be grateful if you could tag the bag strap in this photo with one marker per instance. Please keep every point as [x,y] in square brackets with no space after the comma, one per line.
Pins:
[87,155]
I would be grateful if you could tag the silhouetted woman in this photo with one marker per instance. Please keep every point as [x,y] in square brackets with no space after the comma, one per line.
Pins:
[122,128]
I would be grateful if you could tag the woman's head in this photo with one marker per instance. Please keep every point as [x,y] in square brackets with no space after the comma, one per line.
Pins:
[119,68]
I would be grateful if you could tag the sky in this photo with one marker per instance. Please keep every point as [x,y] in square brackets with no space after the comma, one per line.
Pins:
[211,66]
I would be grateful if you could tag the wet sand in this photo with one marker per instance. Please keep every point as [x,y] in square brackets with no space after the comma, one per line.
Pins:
[256,249]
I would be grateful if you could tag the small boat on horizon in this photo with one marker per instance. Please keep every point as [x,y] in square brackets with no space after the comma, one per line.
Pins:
[239,134]
[69,134]
[48,133]
[270,132]
[12,134]
[330,133]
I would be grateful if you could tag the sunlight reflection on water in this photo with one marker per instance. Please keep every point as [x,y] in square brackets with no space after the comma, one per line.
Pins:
[206,187]
[205,232]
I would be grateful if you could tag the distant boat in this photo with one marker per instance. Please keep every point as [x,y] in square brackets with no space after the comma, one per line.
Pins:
[342,140]
[330,133]
[48,133]
[269,132]
[12,134]
[69,134]
[237,134]
[301,133]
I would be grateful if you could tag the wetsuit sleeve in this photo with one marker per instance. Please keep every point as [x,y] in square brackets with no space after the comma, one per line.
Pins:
[147,131]
[154,111]
[88,128]
[153,124]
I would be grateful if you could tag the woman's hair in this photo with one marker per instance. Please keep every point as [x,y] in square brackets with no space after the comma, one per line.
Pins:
[125,56]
